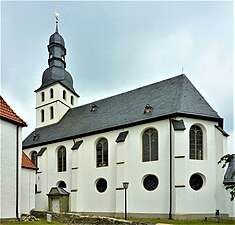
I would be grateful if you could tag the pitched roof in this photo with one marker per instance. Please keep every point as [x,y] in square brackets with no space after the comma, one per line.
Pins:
[8,114]
[171,97]
[27,163]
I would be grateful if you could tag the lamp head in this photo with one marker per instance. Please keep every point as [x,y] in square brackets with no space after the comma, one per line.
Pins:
[125,185]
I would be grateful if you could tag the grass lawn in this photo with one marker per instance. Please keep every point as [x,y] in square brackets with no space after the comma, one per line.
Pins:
[149,220]
[183,222]
[41,222]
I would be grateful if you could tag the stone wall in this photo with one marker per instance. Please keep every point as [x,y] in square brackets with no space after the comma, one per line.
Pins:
[73,218]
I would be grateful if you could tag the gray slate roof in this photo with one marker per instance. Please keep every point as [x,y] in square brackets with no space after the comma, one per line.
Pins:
[55,74]
[171,97]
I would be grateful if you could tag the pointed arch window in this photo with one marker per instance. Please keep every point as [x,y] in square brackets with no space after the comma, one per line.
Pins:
[64,94]
[42,115]
[196,143]
[102,153]
[61,159]
[42,96]
[150,145]
[51,93]
[34,158]
[51,112]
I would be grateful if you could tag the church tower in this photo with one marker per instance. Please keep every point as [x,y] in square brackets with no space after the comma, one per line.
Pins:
[56,95]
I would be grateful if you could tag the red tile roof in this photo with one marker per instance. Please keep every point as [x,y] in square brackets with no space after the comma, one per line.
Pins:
[7,113]
[27,163]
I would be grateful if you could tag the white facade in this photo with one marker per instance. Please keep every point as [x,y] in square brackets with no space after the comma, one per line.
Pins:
[28,179]
[60,102]
[125,164]
[8,184]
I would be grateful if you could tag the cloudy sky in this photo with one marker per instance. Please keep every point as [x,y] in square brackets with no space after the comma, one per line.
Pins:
[116,46]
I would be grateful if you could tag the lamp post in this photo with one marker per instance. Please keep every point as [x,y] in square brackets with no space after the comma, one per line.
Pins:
[125,186]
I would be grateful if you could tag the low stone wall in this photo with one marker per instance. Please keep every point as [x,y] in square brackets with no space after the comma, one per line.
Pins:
[73,218]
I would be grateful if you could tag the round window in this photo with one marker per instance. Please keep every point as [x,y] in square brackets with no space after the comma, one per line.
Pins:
[150,182]
[101,185]
[196,181]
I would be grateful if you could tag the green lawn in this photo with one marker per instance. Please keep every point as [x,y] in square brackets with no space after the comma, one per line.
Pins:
[184,222]
[149,220]
[41,222]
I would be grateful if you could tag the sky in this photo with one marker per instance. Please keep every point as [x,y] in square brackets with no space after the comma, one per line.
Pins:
[117,46]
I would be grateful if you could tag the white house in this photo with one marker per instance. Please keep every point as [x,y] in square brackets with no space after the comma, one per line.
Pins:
[28,179]
[164,139]
[11,153]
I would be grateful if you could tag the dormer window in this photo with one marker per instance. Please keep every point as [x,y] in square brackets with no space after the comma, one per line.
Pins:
[94,108]
[148,109]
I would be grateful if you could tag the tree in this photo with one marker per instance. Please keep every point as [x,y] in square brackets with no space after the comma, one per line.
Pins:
[225,160]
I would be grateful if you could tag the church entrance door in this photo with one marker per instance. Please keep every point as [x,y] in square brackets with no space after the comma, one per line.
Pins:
[55,205]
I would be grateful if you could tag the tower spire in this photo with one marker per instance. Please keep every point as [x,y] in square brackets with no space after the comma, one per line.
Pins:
[57,21]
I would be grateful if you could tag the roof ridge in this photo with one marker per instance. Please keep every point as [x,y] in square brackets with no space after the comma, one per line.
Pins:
[7,108]
[135,89]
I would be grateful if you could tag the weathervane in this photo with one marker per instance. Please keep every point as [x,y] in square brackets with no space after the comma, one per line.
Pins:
[57,20]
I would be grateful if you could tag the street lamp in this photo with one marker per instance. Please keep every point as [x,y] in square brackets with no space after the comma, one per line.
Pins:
[125,186]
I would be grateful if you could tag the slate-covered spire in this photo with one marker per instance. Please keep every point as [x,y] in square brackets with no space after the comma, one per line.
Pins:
[56,71]
[56,49]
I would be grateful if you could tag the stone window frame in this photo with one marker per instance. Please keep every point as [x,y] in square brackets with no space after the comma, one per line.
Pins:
[149,151]
[102,159]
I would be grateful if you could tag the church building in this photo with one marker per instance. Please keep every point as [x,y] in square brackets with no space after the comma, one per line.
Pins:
[163,139]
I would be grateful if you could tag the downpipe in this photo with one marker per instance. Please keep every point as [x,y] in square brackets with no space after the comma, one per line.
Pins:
[17,173]
[170,158]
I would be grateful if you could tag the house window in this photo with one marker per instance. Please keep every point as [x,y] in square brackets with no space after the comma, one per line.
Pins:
[150,182]
[42,96]
[196,143]
[72,100]
[102,153]
[150,145]
[101,185]
[42,116]
[34,158]
[51,93]
[51,112]
[61,156]
[64,94]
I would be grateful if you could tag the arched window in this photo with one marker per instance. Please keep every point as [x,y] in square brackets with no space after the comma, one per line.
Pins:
[64,94]
[72,100]
[42,116]
[102,153]
[61,159]
[150,145]
[42,96]
[51,93]
[196,143]
[51,112]
[34,158]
